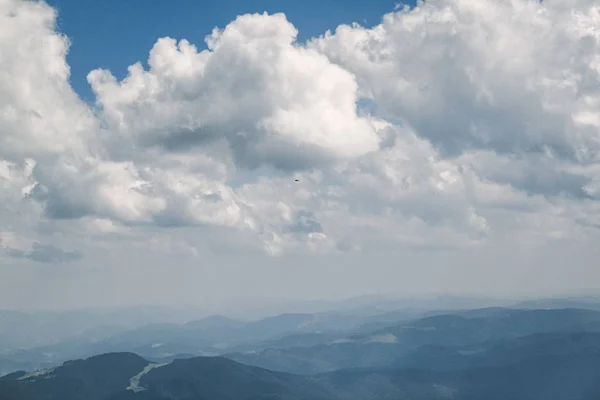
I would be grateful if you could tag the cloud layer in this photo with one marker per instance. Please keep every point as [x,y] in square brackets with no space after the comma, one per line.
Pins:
[482,127]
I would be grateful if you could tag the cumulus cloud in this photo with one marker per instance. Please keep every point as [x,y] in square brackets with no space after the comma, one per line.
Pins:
[514,77]
[274,102]
[482,126]
[40,114]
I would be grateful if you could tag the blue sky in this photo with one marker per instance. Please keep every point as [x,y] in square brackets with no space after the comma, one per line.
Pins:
[114,34]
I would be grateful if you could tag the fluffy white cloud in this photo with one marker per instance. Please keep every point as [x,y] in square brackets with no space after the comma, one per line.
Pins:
[402,194]
[515,76]
[485,129]
[507,90]
[272,101]
[40,115]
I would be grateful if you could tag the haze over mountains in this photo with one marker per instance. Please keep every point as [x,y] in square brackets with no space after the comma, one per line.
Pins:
[499,352]
[36,339]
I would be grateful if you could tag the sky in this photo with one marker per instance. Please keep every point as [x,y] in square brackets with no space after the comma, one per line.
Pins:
[195,153]
[114,34]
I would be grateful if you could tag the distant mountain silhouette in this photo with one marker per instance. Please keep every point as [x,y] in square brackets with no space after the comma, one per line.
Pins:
[120,376]
[385,346]
[484,354]
[93,379]
[125,376]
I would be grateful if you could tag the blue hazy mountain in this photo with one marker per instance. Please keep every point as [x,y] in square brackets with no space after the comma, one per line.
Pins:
[385,346]
[532,375]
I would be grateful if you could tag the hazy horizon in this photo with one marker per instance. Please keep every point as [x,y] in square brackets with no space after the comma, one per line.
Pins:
[261,307]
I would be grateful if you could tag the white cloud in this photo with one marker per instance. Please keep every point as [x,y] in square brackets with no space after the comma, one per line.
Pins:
[40,115]
[509,88]
[513,76]
[272,101]
[478,136]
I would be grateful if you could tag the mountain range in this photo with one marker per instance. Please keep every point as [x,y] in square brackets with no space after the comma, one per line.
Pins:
[123,376]
[384,347]
[485,353]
